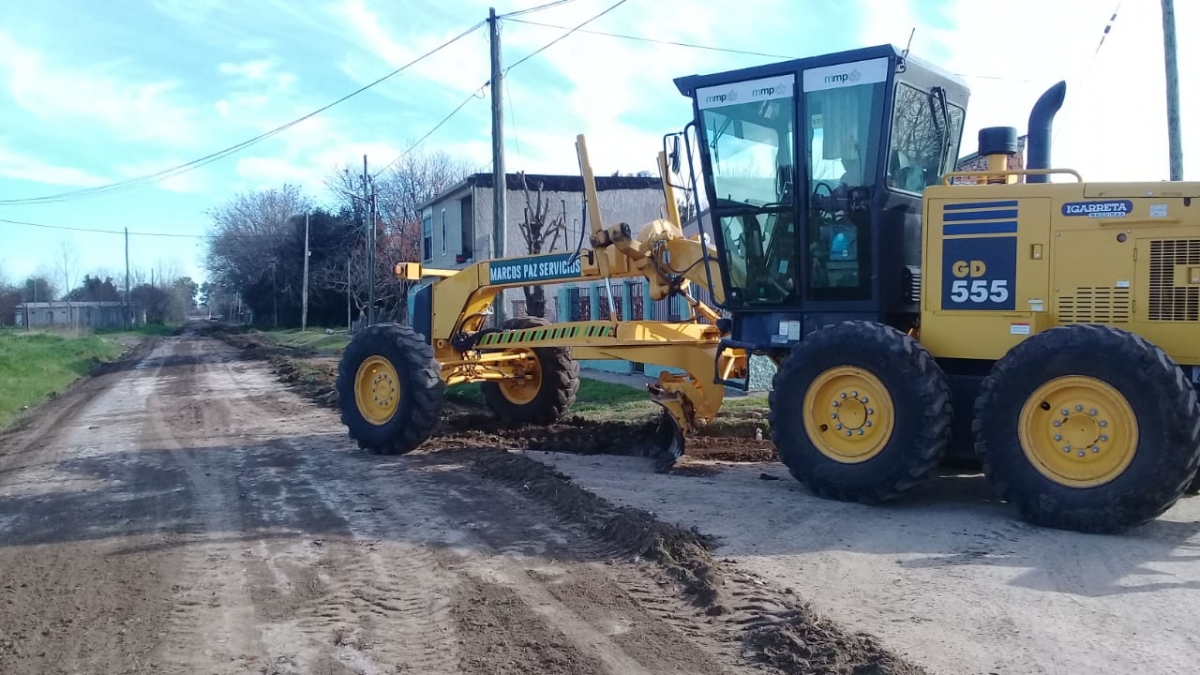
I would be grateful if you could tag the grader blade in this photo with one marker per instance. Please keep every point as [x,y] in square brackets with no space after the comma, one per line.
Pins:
[668,443]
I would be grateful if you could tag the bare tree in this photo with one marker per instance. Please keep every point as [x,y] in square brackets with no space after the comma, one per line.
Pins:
[541,234]
[66,264]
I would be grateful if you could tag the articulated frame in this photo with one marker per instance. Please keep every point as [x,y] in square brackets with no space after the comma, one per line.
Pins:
[659,252]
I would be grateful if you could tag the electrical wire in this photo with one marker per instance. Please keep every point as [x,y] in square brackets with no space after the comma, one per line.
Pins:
[207,159]
[409,149]
[565,35]
[653,40]
[96,230]
[531,10]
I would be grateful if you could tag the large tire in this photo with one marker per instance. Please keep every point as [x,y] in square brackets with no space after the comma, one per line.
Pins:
[556,390]
[398,420]
[896,437]
[1101,391]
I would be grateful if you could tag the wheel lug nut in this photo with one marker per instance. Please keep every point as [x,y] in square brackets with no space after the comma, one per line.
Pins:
[868,422]
[1065,412]
[836,404]
[1103,438]
[1058,437]
[843,394]
[839,427]
[860,432]
[1095,449]
[1103,423]
[833,416]
[1058,423]
[1078,407]
[1092,412]
[848,432]
[1082,453]
[870,411]
[1066,448]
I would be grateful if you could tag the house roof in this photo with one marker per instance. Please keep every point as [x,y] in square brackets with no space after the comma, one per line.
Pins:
[550,183]
[64,304]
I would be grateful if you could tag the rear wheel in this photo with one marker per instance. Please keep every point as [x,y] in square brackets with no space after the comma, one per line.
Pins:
[1088,428]
[390,390]
[860,412]
[546,388]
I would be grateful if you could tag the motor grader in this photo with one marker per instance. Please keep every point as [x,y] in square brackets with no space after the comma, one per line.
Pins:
[1050,329]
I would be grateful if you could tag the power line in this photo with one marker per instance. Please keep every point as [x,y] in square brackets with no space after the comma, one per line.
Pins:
[539,8]
[207,159]
[565,35]
[475,93]
[639,38]
[96,230]
[409,149]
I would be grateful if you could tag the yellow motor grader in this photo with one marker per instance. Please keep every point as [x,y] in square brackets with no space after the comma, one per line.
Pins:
[1050,329]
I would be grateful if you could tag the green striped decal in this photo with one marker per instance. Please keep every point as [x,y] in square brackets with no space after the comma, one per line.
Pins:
[566,332]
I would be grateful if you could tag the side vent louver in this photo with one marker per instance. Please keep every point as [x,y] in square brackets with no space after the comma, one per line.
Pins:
[1169,302]
[912,283]
[1095,305]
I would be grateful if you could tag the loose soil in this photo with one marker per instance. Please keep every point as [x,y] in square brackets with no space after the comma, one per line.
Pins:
[181,512]
[730,437]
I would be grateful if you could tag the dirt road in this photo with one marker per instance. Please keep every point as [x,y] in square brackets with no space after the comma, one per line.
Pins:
[183,513]
[949,577]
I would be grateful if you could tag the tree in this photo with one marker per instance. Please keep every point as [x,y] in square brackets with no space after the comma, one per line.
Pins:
[540,234]
[38,288]
[94,289]
[66,263]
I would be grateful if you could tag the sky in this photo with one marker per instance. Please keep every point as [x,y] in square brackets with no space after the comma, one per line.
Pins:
[97,92]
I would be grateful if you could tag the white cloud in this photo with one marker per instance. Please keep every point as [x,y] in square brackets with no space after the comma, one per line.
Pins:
[24,167]
[133,111]
[252,70]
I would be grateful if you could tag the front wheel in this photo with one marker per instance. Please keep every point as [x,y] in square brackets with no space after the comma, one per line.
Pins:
[1088,428]
[860,412]
[389,389]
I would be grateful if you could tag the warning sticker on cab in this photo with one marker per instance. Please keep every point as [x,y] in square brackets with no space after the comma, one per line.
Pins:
[1018,329]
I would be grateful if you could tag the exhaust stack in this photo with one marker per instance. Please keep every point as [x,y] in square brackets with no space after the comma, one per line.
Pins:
[1041,121]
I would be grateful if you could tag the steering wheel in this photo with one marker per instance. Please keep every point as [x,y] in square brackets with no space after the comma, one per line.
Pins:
[827,217]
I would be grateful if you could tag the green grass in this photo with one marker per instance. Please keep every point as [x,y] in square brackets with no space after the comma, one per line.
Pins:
[595,397]
[313,338]
[34,365]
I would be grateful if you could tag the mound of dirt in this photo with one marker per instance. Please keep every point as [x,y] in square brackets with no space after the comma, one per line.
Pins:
[774,629]
[472,427]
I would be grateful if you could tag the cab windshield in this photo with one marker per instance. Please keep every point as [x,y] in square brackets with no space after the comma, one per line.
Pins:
[749,133]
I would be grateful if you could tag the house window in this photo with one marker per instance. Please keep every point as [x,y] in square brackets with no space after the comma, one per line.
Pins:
[579,304]
[636,301]
[443,231]
[467,228]
[427,236]
[616,304]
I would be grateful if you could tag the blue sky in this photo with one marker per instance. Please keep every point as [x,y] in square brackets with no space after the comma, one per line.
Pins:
[95,92]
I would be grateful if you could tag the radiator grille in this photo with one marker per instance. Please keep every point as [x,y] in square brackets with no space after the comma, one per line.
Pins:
[1168,302]
[1095,305]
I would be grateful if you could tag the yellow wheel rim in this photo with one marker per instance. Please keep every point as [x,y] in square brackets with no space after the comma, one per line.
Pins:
[526,383]
[848,414]
[1078,431]
[377,390]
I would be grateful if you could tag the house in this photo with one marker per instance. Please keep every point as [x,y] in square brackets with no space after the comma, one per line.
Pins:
[71,314]
[975,162]
[456,225]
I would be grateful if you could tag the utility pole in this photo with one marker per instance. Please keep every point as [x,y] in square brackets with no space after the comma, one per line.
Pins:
[1174,134]
[274,296]
[304,291]
[128,308]
[349,320]
[499,182]
[369,218]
